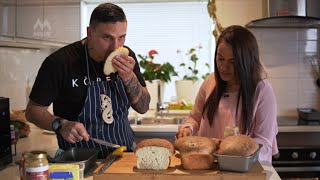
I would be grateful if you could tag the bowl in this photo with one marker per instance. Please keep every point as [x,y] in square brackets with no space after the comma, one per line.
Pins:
[78,155]
[237,163]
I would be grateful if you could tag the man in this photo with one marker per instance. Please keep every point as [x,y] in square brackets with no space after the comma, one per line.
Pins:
[86,102]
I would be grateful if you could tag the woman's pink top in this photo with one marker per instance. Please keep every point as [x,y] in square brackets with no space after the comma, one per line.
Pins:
[264,129]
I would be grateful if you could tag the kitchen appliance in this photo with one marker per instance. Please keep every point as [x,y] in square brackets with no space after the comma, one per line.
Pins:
[5,135]
[297,162]
[308,8]
[299,151]
[290,14]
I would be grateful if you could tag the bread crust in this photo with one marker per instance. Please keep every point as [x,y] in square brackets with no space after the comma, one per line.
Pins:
[238,145]
[196,144]
[155,142]
[108,67]
[197,161]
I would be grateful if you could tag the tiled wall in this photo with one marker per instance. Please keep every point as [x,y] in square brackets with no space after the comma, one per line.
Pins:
[18,69]
[285,53]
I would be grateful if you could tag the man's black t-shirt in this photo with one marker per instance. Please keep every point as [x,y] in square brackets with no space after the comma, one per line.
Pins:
[62,79]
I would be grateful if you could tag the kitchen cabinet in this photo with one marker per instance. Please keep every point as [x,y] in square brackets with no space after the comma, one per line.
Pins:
[8,15]
[49,20]
[30,19]
[64,20]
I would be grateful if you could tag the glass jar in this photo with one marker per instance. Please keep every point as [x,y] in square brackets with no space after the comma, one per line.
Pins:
[230,131]
[36,166]
[12,133]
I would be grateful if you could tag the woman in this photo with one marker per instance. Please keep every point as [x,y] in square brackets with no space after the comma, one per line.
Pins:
[236,94]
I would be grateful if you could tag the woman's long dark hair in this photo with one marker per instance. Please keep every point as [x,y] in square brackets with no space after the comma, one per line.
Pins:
[248,71]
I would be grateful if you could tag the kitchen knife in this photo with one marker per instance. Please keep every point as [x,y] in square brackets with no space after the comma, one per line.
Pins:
[111,158]
[99,141]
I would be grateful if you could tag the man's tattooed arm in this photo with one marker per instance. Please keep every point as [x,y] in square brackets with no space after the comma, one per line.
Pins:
[138,95]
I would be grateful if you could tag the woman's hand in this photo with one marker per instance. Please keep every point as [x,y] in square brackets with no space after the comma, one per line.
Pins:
[186,131]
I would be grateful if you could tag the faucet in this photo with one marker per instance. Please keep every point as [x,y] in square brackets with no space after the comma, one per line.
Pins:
[159,103]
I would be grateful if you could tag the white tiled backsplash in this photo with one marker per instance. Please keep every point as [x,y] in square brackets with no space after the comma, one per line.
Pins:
[285,52]
[18,69]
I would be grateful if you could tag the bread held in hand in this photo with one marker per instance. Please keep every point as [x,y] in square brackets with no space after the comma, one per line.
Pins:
[154,154]
[108,67]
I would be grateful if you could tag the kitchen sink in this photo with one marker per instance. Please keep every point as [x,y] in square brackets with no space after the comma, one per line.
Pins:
[156,120]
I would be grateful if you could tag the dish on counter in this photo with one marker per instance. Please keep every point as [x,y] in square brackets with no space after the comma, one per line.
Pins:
[81,155]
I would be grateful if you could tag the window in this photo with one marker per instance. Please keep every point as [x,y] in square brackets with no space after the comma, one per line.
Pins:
[167,27]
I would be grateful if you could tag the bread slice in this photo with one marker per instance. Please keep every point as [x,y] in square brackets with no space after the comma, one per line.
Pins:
[196,152]
[108,67]
[238,145]
[154,154]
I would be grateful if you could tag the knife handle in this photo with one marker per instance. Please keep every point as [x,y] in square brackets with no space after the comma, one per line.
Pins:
[119,150]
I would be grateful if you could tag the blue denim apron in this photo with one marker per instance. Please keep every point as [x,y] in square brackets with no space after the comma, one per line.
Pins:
[119,131]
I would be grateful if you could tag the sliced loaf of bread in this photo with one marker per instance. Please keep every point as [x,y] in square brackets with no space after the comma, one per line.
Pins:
[154,154]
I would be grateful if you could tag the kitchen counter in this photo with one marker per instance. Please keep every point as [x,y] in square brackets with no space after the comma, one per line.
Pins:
[289,124]
[46,141]
[285,124]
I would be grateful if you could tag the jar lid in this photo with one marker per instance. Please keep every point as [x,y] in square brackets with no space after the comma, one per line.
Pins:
[35,154]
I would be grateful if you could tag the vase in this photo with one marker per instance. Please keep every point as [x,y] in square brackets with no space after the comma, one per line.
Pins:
[154,91]
[187,90]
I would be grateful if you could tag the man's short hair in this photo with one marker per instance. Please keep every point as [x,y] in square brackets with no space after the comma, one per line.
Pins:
[107,12]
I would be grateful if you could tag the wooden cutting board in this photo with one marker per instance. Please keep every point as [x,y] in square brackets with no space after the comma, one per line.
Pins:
[125,169]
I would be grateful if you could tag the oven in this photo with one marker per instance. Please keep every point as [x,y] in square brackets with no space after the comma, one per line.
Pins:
[299,150]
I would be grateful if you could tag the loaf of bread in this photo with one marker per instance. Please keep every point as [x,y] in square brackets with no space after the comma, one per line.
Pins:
[238,145]
[154,154]
[196,161]
[196,144]
[196,152]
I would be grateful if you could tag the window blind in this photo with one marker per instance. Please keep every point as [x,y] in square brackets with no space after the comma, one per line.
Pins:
[168,27]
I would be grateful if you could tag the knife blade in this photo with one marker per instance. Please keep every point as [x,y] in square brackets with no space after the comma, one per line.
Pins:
[99,141]
[111,158]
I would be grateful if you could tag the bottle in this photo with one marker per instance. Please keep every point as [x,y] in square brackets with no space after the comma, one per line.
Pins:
[230,131]
[36,165]
[12,133]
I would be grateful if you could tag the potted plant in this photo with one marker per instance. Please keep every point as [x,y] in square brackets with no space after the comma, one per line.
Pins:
[191,79]
[156,75]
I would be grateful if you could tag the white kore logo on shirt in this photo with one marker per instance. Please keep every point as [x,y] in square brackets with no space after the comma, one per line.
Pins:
[85,81]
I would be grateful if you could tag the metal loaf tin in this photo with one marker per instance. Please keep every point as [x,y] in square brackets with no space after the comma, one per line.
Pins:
[237,163]
[74,155]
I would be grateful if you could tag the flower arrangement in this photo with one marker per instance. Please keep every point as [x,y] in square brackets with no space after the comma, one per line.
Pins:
[153,71]
[191,71]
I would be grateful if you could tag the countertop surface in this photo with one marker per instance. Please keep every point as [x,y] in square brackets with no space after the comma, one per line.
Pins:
[285,124]
[46,141]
